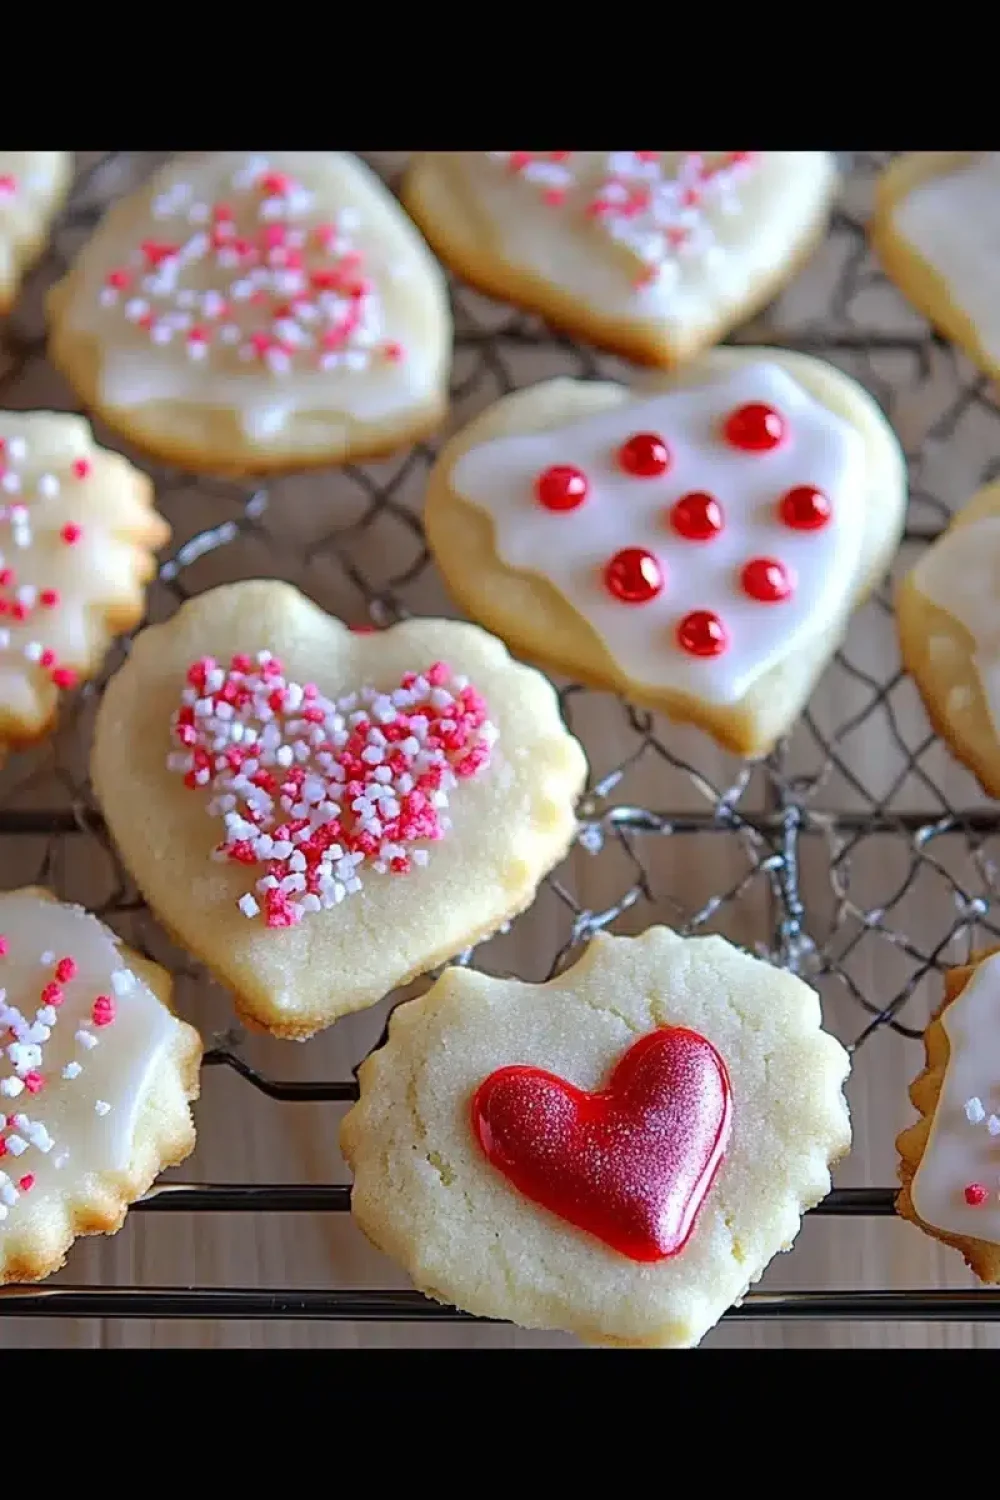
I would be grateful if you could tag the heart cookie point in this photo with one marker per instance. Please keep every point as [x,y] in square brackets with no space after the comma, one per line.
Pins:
[630,1165]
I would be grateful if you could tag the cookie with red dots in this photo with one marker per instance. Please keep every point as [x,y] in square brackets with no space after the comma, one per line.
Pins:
[96,1079]
[321,815]
[33,188]
[78,533]
[949,1161]
[617,1153]
[651,254]
[243,314]
[697,545]
[934,228]
[949,634]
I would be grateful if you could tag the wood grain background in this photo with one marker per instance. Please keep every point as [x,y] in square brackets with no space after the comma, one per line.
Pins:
[877,910]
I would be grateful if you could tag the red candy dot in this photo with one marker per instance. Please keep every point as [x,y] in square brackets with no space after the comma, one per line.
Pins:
[103,1011]
[71,533]
[702,633]
[634,576]
[27,1182]
[805,509]
[81,467]
[697,517]
[975,1194]
[766,580]
[755,428]
[561,488]
[645,455]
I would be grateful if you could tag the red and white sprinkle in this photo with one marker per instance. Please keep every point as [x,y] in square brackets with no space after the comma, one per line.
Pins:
[654,207]
[262,270]
[23,1066]
[315,790]
[27,609]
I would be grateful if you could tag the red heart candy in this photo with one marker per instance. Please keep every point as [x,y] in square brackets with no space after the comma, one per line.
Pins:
[631,1164]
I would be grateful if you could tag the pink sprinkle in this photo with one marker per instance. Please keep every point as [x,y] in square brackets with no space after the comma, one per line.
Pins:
[71,533]
[81,467]
[975,1194]
[27,1182]
[103,1012]
[64,677]
[66,970]
[3,947]
[53,995]
[34,1082]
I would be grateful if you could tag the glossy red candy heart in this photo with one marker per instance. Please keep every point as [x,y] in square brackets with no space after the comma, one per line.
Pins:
[631,1164]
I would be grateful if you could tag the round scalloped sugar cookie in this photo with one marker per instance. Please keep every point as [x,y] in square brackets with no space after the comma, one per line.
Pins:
[321,815]
[675,572]
[633,1218]
[78,536]
[96,1079]
[33,188]
[654,255]
[244,314]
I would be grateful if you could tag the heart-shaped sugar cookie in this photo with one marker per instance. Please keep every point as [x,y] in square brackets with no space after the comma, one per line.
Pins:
[321,816]
[630,1164]
[934,227]
[697,544]
[243,313]
[653,254]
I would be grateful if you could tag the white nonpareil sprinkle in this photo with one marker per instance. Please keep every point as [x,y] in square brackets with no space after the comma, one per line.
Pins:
[974,1111]
[102,1107]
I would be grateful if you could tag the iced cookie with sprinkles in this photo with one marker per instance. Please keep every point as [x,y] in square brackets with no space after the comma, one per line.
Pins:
[652,254]
[948,616]
[617,1153]
[697,545]
[96,1079]
[78,533]
[242,314]
[321,815]
[949,1161]
[33,187]
[934,228]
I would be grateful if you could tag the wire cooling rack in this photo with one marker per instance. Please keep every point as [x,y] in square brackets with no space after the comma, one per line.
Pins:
[797,828]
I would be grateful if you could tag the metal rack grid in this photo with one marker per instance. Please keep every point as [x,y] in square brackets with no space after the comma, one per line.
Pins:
[772,837]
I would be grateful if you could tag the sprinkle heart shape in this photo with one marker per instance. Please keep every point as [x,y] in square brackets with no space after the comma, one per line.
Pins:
[631,1164]
[312,789]
[319,815]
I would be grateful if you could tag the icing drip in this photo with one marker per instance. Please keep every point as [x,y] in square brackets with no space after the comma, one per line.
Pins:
[695,569]
[82,1036]
[960,574]
[314,790]
[956,1187]
[647,201]
[953,222]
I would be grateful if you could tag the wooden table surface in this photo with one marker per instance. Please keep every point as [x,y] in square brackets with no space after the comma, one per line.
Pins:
[876,912]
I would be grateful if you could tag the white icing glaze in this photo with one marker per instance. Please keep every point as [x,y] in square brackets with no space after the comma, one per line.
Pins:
[684,232]
[40,495]
[960,574]
[84,1066]
[29,182]
[570,549]
[181,327]
[962,1148]
[953,222]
